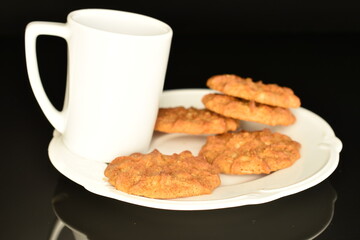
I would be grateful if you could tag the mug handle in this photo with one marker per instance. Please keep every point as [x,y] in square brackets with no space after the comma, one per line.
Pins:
[32,31]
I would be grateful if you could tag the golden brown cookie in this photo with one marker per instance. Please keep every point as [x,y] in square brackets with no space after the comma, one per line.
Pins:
[193,121]
[270,94]
[241,109]
[259,152]
[155,175]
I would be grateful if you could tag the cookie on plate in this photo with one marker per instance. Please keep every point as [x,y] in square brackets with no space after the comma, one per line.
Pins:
[246,88]
[193,121]
[241,109]
[258,152]
[155,175]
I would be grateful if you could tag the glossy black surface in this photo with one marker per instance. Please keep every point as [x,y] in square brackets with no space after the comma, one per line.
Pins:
[301,216]
[323,68]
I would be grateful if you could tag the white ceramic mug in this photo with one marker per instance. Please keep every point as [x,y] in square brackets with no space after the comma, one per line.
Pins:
[116,69]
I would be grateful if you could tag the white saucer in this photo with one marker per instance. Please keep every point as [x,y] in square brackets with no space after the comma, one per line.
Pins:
[319,158]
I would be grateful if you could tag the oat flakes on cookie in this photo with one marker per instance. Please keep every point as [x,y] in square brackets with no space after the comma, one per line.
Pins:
[155,175]
[193,121]
[246,88]
[241,109]
[258,152]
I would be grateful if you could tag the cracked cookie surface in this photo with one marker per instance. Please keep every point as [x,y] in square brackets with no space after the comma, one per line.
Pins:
[155,175]
[248,110]
[246,88]
[258,152]
[193,121]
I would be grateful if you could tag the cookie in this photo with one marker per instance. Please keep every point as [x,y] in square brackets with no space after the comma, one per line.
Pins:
[258,152]
[241,109]
[155,175]
[246,88]
[193,121]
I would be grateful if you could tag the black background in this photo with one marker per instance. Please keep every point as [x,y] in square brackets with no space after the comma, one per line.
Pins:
[310,46]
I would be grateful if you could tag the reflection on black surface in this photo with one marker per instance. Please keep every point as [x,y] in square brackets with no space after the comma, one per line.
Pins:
[301,216]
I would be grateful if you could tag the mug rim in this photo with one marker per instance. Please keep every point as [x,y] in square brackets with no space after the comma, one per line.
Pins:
[162,27]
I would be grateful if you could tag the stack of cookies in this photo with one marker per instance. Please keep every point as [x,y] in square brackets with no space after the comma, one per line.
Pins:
[227,150]
[243,99]
[258,152]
